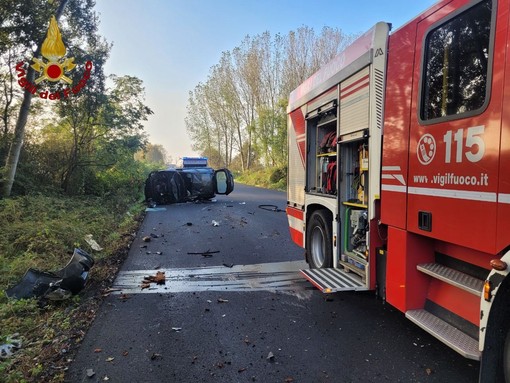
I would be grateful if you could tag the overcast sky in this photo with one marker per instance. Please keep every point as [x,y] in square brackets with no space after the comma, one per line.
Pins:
[171,44]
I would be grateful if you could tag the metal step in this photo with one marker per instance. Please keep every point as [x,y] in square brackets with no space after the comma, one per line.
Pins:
[332,280]
[446,333]
[453,277]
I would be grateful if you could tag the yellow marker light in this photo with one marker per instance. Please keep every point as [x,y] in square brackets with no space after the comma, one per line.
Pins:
[487,288]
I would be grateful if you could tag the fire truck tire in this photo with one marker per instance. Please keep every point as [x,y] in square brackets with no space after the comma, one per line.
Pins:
[318,240]
[506,357]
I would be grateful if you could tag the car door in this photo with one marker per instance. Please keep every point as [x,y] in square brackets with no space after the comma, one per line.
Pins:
[223,181]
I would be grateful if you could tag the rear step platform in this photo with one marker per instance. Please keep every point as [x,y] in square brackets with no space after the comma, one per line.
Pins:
[449,335]
[332,280]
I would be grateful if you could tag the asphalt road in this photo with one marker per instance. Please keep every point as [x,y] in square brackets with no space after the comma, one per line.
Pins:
[234,308]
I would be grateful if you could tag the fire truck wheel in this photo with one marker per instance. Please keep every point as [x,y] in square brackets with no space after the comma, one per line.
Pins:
[318,240]
[506,356]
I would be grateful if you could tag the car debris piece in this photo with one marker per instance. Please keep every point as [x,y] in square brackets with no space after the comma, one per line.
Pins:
[207,253]
[12,344]
[58,285]
[159,279]
[92,243]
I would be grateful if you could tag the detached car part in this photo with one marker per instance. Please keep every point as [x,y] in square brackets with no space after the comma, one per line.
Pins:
[57,285]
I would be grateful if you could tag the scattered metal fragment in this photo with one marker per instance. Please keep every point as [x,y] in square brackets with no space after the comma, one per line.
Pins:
[206,253]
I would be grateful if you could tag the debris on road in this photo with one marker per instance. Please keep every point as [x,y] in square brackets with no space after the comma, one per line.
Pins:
[221,300]
[206,253]
[271,208]
[215,223]
[155,356]
[159,279]
[270,357]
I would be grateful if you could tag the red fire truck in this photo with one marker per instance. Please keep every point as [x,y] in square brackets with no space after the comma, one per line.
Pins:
[397,182]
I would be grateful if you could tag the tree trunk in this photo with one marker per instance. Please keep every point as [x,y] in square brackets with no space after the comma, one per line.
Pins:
[11,164]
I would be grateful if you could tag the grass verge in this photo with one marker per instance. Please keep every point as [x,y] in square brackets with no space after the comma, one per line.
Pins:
[41,232]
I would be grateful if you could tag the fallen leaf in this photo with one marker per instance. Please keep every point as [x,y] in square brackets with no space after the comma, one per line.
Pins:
[125,353]
[90,373]
[146,239]
[110,359]
[98,350]
[221,300]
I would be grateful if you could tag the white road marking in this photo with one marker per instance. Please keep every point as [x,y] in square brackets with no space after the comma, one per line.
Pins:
[273,277]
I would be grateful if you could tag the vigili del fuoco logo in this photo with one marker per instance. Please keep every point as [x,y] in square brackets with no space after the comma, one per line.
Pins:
[54,68]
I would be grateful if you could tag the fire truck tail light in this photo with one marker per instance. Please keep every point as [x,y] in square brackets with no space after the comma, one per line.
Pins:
[498,264]
[487,288]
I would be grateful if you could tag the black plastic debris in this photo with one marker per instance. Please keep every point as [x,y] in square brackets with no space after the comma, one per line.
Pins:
[58,285]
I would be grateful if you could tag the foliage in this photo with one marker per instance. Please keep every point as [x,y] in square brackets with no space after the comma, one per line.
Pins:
[41,232]
[154,154]
[25,28]
[239,112]
[270,178]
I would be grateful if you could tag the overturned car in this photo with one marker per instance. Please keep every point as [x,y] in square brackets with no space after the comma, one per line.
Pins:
[185,184]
